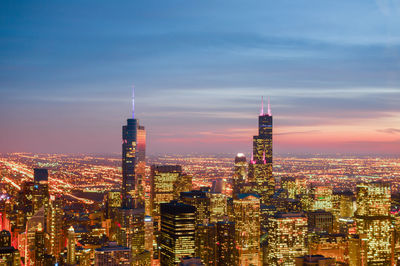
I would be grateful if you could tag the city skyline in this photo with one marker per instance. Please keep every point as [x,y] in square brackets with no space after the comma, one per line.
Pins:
[199,76]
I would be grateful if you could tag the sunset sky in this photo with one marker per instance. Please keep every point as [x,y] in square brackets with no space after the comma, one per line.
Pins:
[330,68]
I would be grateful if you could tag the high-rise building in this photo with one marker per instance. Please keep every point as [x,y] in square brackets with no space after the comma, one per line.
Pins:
[226,248]
[218,207]
[374,225]
[329,245]
[260,167]
[247,228]
[162,188]
[130,230]
[314,260]
[239,174]
[141,164]
[39,254]
[200,200]
[71,259]
[177,232]
[206,243]
[133,152]
[8,254]
[286,238]
[322,197]
[320,221]
[35,223]
[54,227]
[40,189]
[129,137]
[112,254]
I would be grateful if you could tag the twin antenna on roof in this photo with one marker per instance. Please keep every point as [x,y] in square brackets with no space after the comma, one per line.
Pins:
[262,107]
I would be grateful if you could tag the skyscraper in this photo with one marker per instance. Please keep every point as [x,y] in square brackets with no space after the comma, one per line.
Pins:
[71,246]
[286,238]
[162,188]
[40,189]
[177,232]
[226,254]
[374,225]
[132,153]
[247,228]
[112,254]
[54,227]
[129,137]
[260,167]
[239,174]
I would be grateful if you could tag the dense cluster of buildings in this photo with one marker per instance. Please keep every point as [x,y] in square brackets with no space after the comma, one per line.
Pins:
[263,220]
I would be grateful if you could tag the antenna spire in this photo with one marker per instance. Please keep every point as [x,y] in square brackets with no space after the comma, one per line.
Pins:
[269,107]
[133,102]
[262,106]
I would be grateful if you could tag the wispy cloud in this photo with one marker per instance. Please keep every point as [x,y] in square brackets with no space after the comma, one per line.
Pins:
[389,130]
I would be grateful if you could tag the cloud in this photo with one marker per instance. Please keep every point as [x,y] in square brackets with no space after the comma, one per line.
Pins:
[298,132]
[389,130]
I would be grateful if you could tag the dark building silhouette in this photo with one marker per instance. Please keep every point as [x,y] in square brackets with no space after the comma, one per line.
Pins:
[260,168]
[177,232]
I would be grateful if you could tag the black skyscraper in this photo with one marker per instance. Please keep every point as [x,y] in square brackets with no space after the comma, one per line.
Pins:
[260,168]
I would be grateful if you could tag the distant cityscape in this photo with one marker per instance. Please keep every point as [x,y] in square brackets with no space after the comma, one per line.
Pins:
[194,209]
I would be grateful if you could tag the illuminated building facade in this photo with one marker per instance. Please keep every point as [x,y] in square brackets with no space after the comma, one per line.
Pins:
[8,254]
[226,248]
[286,238]
[247,228]
[39,254]
[218,207]
[206,243]
[54,228]
[129,142]
[130,229]
[40,189]
[34,224]
[162,186]
[140,169]
[288,183]
[322,197]
[112,254]
[200,200]
[260,167]
[330,245]
[320,221]
[113,203]
[177,232]
[71,258]
[239,174]
[374,225]
[314,260]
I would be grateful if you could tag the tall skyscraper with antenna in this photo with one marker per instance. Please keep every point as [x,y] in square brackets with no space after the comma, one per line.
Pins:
[130,152]
[260,168]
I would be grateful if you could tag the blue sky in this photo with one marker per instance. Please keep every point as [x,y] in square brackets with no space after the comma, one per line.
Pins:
[199,68]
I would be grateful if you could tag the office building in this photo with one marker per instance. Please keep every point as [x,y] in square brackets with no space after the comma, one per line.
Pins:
[226,248]
[314,260]
[247,228]
[163,179]
[239,174]
[71,258]
[112,254]
[177,232]
[206,243]
[320,221]
[200,200]
[374,225]
[260,167]
[286,238]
